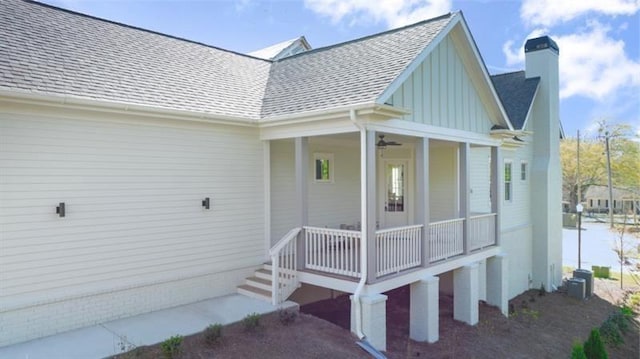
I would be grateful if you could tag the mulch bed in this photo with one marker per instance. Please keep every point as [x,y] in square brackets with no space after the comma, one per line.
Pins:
[539,327]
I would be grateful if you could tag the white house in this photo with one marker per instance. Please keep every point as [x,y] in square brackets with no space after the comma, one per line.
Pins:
[140,171]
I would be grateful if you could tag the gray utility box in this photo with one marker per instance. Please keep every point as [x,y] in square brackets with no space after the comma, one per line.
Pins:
[576,288]
[587,275]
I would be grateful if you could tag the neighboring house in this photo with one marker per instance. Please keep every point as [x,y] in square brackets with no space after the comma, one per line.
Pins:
[140,171]
[597,200]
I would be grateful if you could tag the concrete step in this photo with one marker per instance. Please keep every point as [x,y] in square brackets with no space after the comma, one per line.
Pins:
[254,292]
[267,266]
[263,274]
[264,284]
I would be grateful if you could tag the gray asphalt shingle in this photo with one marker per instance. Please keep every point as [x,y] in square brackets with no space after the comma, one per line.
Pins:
[516,94]
[48,50]
[349,73]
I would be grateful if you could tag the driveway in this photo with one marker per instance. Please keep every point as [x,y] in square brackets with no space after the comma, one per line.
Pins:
[598,244]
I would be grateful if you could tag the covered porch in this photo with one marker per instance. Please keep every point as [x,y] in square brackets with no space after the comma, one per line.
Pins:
[382,211]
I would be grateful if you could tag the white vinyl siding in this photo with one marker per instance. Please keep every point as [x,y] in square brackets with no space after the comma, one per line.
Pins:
[480,166]
[283,189]
[443,182]
[330,203]
[441,93]
[133,193]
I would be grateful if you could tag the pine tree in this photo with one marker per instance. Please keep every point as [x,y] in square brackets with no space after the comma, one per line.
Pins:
[594,347]
[578,352]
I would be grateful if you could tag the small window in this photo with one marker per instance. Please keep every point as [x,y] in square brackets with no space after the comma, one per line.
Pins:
[508,187]
[523,171]
[323,167]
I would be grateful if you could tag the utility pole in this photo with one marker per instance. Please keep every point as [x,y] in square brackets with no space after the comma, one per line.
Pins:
[606,141]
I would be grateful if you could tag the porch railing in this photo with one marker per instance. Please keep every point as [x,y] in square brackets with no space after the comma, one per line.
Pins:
[446,239]
[334,251]
[482,231]
[398,249]
[284,274]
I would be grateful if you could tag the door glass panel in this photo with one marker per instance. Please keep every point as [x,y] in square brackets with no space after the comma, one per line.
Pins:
[395,188]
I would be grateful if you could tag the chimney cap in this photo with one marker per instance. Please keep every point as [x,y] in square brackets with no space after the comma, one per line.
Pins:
[541,43]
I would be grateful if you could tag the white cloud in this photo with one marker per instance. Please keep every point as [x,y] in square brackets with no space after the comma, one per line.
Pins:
[394,13]
[552,12]
[592,64]
[595,65]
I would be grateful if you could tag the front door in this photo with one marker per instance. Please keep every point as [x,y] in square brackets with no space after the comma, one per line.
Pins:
[394,200]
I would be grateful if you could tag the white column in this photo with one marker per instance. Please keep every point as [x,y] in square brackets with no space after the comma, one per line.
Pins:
[266,149]
[482,280]
[465,294]
[424,310]
[465,188]
[369,223]
[374,319]
[496,186]
[422,194]
[301,152]
[497,283]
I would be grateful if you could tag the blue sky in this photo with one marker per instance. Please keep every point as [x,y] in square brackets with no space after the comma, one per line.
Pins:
[599,40]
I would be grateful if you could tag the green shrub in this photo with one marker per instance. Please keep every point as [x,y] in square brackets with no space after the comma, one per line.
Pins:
[171,347]
[213,334]
[594,347]
[251,321]
[578,351]
[610,333]
[542,291]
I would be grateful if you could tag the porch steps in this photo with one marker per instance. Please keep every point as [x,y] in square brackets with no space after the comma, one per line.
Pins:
[258,286]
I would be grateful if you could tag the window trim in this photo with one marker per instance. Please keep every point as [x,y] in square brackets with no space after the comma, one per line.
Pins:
[510,182]
[318,156]
[524,170]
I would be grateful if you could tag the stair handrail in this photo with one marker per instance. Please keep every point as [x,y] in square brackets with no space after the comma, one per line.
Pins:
[290,280]
[284,241]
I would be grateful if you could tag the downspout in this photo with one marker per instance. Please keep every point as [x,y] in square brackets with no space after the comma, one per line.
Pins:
[364,224]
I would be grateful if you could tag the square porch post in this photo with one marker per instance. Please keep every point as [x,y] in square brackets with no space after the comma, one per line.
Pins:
[465,189]
[422,195]
[496,193]
[368,220]
[301,152]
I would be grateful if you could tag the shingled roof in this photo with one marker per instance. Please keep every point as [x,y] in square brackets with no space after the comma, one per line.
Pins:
[348,73]
[516,93]
[45,49]
[54,51]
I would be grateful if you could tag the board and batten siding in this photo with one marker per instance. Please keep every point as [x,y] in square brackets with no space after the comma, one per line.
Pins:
[134,218]
[440,92]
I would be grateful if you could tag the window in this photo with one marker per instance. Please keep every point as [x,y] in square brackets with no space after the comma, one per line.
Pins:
[523,171]
[323,167]
[508,188]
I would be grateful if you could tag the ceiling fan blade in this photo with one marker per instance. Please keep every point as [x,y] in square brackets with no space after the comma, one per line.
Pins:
[393,143]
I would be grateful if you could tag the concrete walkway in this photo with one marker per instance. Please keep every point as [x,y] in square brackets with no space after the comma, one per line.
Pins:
[105,339]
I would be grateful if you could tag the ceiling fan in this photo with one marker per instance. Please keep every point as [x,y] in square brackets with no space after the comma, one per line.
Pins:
[382,144]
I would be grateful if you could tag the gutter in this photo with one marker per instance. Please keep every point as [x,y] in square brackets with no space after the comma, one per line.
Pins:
[364,224]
